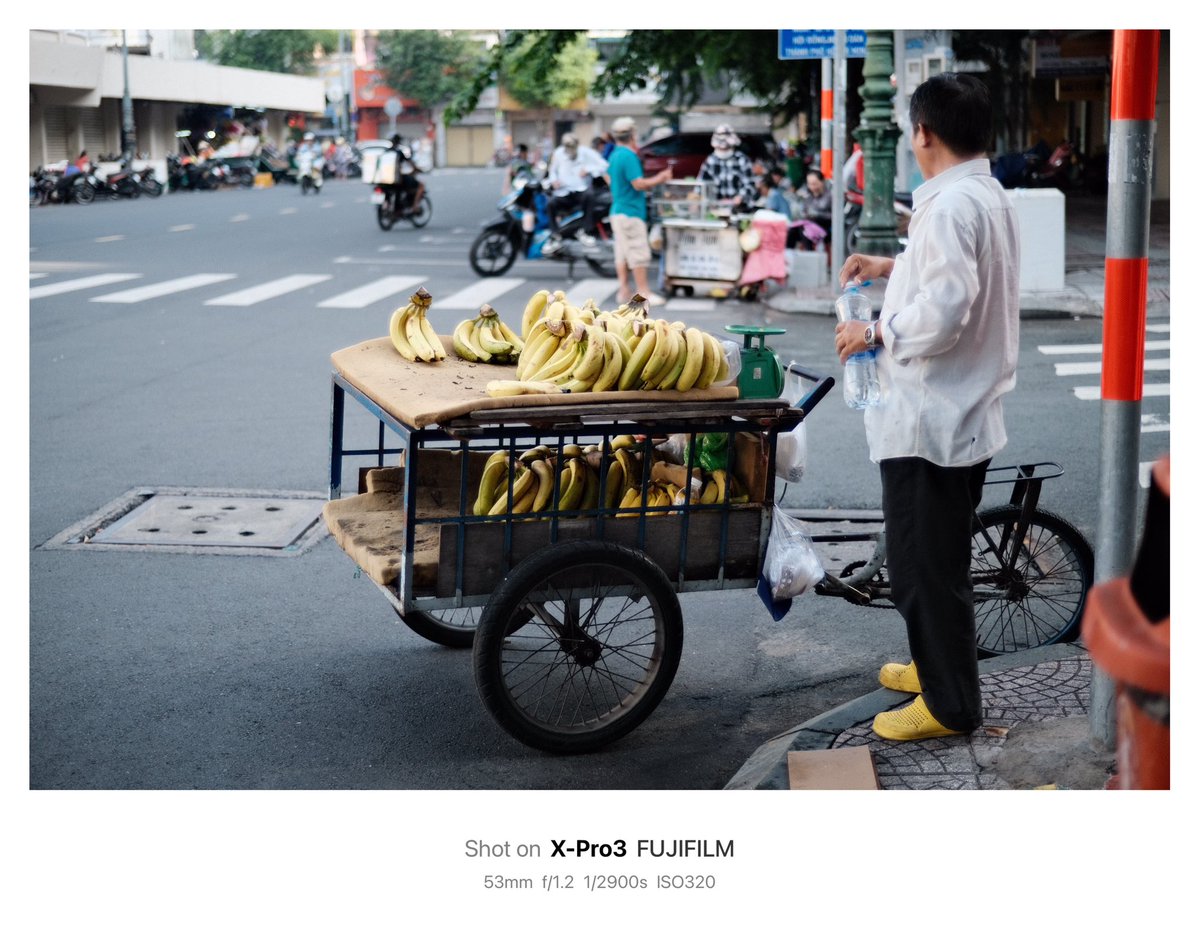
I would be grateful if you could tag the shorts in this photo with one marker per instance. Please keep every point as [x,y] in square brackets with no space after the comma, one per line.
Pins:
[631,242]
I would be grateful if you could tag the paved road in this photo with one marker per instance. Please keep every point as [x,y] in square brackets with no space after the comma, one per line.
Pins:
[185,342]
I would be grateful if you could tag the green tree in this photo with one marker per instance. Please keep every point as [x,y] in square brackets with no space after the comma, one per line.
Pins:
[426,65]
[1006,54]
[683,65]
[539,82]
[277,50]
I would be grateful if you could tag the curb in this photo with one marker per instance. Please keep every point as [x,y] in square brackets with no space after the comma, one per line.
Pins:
[766,768]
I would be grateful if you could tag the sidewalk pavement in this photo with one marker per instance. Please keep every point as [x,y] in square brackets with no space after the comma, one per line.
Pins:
[1083,278]
[1036,730]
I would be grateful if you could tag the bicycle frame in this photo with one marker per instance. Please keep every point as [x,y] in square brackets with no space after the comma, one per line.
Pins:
[867,584]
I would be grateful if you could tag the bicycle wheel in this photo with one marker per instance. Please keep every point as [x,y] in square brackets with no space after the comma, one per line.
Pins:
[595,658]
[1040,601]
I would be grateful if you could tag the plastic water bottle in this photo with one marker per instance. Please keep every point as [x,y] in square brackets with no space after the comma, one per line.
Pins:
[860,384]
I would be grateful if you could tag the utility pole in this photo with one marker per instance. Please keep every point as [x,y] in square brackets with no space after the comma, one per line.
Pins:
[128,136]
[878,134]
[1131,151]
[837,212]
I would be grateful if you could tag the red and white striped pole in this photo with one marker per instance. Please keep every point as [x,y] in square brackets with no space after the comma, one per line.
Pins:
[827,118]
[1131,150]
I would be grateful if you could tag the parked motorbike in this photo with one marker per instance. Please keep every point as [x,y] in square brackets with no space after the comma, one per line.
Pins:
[59,186]
[523,230]
[147,183]
[187,174]
[119,184]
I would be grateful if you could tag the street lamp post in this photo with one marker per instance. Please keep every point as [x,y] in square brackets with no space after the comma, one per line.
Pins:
[878,134]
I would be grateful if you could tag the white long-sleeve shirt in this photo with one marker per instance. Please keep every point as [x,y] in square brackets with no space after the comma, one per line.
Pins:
[950,324]
[569,173]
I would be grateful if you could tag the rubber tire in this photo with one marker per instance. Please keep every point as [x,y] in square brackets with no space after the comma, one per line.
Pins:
[384,217]
[1074,566]
[153,188]
[419,219]
[497,239]
[432,626]
[84,194]
[496,637]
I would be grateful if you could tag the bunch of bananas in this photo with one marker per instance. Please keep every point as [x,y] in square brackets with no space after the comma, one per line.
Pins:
[486,339]
[532,477]
[411,333]
[584,349]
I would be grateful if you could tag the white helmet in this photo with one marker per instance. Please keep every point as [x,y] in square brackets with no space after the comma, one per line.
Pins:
[724,138]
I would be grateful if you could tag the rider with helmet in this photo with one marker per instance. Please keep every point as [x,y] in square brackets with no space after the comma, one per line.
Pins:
[729,170]
[406,174]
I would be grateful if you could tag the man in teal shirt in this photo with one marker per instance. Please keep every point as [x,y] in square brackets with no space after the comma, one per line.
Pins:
[628,213]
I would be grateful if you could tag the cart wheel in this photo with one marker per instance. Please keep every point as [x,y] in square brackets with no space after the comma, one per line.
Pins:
[1041,601]
[454,627]
[596,657]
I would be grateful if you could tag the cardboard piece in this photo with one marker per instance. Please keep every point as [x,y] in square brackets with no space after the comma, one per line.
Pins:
[847,768]
[421,394]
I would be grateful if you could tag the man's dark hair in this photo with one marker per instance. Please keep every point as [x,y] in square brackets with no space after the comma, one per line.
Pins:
[956,109]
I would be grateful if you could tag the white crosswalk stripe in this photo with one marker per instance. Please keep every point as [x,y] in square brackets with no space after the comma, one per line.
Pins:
[270,290]
[1095,348]
[371,292]
[165,288]
[1075,368]
[84,282]
[598,289]
[475,295]
[1148,390]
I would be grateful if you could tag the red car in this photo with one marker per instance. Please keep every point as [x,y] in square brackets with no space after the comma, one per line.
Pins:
[685,152]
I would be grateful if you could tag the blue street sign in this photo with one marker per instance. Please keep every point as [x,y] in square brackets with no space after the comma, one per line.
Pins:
[818,43]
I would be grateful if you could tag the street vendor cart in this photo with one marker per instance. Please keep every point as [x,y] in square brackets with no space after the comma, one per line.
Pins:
[701,251]
[573,614]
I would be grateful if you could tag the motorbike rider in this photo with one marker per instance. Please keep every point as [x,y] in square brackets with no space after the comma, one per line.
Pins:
[571,178]
[406,173]
[728,169]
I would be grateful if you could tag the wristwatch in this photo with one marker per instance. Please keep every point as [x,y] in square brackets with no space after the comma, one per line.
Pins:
[869,335]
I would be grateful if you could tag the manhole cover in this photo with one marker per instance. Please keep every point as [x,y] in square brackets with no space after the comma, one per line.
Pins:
[208,521]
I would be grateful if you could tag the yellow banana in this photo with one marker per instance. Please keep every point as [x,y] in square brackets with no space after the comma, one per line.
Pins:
[720,479]
[613,362]
[631,375]
[664,348]
[545,483]
[533,311]
[490,341]
[461,339]
[494,472]
[396,330]
[560,363]
[537,453]
[696,355]
[535,354]
[622,441]
[431,336]
[713,356]
[503,388]
[677,364]
[572,450]
[632,498]
[523,484]
[510,336]
[570,485]
[674,342]
[591,489]
[722,364]
[614,483]
[416,337]
[592,361]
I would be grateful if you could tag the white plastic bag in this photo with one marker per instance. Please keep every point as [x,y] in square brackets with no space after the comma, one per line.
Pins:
[791,449]
[791,565]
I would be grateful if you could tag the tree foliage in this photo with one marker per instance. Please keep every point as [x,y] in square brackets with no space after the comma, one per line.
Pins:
[539,81]
[425,65]
[290,51]
[681,65]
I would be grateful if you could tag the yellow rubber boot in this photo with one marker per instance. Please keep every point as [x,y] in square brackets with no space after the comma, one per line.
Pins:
[911,723]
[899,676]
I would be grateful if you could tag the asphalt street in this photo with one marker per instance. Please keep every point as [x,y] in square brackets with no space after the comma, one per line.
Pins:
[185,341]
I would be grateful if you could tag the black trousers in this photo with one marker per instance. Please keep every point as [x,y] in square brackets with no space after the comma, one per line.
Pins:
[927,515]
[568,202]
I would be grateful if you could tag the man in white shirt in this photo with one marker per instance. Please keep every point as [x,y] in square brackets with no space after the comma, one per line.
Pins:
[947,352]
[570,177]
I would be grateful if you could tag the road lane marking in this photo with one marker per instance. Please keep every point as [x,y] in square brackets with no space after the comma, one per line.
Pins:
[110,237]
[371,292]
[181,227]
[165,288]
[1158,328]
[1148,390]
[1096,348]
[36,275]
[286,211]
[1075,368]
[86,282]
[478,293]
[1152,422]
[240,217]
[278,287]
[598,289]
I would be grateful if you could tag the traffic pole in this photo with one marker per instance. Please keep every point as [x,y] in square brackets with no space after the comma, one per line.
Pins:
[1126,270]
[838,156]
[827,118]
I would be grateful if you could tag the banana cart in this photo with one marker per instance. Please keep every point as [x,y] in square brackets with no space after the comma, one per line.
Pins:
[701,251]
[572,612]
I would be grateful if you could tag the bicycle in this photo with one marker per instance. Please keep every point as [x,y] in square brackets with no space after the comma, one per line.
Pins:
[1030,568]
